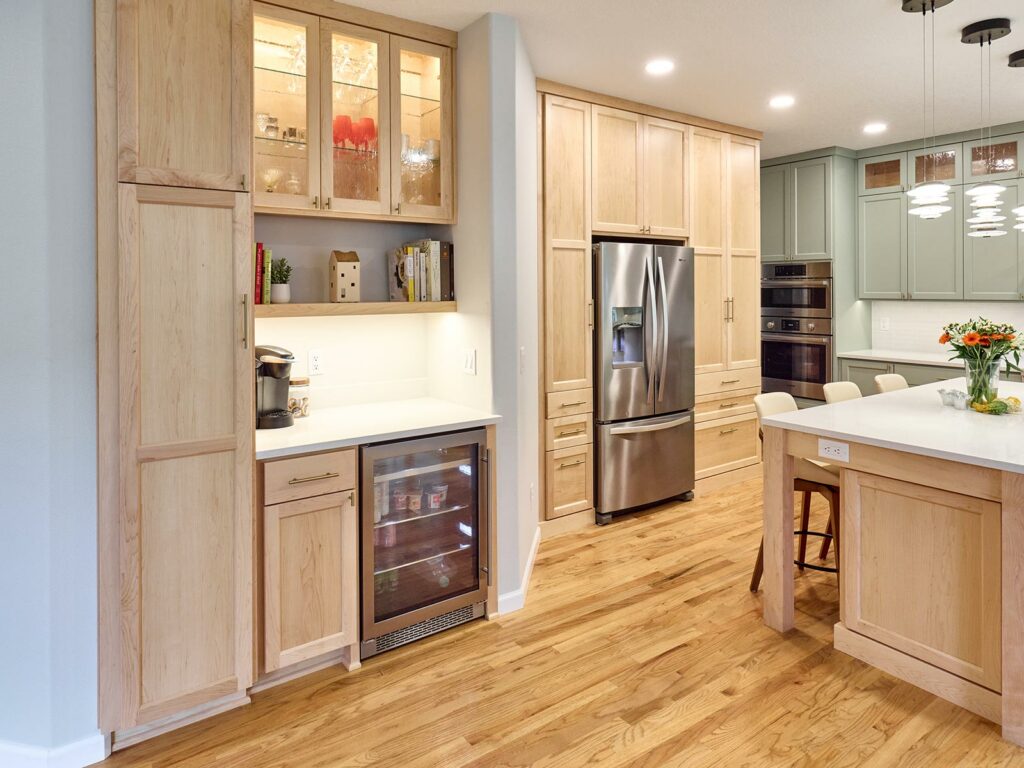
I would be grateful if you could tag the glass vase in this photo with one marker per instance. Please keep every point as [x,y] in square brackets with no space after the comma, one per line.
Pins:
[982,380]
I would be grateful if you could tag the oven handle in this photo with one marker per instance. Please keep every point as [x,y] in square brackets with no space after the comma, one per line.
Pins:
[797,337]
[799,283]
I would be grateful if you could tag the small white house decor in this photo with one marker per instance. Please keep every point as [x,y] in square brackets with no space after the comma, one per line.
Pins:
[344,276]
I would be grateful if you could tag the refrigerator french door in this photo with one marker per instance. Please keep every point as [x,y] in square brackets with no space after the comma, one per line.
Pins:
[425,552]
[644,374]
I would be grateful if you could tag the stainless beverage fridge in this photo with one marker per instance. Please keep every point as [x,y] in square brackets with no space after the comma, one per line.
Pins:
[643,375]
[424,514]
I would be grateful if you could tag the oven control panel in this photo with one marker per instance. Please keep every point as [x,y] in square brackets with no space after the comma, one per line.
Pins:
[816,325]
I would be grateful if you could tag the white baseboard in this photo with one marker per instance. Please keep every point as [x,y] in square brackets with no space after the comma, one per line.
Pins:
[78,754]
[513,601]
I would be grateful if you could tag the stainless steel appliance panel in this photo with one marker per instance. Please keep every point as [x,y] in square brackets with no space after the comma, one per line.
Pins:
[797,298]
[795,363]
[815,325]
[675,381]
[627,330]
[644,461]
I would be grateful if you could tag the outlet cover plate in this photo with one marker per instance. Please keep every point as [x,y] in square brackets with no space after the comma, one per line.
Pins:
[316,362]
[469,362]
[831,450]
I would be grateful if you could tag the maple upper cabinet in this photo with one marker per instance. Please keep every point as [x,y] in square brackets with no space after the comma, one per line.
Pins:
[639,174]
[192,58]
[350,121]
[743,330]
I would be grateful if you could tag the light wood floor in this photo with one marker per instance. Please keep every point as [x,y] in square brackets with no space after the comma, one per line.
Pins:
[639,646]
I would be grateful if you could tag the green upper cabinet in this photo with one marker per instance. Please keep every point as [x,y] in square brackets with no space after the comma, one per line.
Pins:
[775,208]
[935,253]
[994,266]
[812,207]
[944,164]
[882,246]
[993,159]
[796,211]
[882,175]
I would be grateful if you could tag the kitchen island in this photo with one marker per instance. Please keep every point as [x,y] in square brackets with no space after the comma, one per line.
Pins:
[932,540]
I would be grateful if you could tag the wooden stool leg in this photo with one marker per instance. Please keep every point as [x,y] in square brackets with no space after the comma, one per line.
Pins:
[755,579]
[834,512]
[826,541]
[805,522]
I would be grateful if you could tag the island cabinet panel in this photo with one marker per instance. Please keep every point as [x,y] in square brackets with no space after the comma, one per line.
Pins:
[184,92]
[938,600]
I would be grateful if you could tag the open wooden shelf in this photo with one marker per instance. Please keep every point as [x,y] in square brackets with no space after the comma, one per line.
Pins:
[355,308]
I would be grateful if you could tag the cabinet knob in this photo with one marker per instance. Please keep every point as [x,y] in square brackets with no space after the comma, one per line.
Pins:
[810,326]
[770,325]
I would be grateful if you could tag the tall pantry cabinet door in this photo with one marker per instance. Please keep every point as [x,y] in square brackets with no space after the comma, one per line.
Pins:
[186,453]
[666,177]
[184,93]
[708,237]
[618,146]
[568,293]
[744,325]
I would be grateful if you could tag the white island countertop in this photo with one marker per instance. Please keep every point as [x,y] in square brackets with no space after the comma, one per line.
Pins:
[915,421]
[342,427]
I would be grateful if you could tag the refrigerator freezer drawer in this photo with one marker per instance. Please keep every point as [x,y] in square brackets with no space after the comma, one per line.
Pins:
[644,461]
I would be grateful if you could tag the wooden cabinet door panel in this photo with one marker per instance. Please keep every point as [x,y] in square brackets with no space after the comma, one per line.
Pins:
[184,94]
[708,197]
[186,450]
[726,444]
[570,480]
[812,209]
[882,246]
[709,311]
[567,321]
[775,213]
[311,578]
[743,329]
[666,184]
[935,253]
[618,147]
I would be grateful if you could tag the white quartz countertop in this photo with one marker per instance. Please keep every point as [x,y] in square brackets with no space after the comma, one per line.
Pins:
[902,356]
[915,420]
[342,427]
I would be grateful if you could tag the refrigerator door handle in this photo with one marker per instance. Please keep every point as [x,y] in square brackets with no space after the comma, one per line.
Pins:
[651,427]
[650,366]
[484,506]
[663,364]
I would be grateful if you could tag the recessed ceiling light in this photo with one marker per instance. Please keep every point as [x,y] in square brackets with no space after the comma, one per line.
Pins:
[783,101]
[659,66]
[875,127]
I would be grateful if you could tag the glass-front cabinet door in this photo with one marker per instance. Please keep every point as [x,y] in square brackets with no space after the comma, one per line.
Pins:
[355,115]
[285,126]
[421,129]
[944,164]
[993,159]
[885,173]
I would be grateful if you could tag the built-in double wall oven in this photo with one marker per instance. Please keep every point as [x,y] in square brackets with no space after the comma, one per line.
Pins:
[796,328]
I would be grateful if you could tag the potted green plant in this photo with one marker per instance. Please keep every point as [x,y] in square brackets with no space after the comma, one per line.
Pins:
[280,274]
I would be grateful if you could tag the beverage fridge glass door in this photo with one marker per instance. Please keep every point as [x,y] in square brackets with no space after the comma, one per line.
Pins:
[424,529]
[626,332]
[674,390]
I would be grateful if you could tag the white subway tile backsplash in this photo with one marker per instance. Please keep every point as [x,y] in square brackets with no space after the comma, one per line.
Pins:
[915,326]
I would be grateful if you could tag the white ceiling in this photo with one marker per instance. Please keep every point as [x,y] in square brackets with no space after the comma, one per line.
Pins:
[846,62]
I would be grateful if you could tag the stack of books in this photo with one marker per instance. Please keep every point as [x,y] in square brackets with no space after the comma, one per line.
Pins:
[422,271]
[261,267]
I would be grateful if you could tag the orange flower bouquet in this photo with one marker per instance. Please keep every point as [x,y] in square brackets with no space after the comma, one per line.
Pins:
[983,346]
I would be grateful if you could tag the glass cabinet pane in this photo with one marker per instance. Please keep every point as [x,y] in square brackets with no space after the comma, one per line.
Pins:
[425,537]
[882,174]
[995,158]
[935,166]
[420,124]
[281,107]
[355,118]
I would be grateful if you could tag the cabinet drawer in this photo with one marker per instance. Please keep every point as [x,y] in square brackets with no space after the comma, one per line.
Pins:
[726,444]
[926,374]
[720,406]
[570,480]
[569,431]
[571,403]
[306,476]
[725,381]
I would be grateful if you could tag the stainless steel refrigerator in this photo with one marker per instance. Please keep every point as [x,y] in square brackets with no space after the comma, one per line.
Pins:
[643,375]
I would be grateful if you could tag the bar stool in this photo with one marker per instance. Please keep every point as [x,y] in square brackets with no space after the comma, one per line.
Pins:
[808,477]
[839,391]
[890,382]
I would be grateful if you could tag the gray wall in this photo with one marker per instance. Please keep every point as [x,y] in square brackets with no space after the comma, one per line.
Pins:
[48,317]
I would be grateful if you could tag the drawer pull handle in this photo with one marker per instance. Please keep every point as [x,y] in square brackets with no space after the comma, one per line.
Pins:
[730,381]
[728,405]
[570,405]
[565,464]
[311,478]
[727,431]
[579,431]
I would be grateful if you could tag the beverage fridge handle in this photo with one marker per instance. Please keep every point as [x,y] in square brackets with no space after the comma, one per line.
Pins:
[485,513]
[650,366]
[663,365]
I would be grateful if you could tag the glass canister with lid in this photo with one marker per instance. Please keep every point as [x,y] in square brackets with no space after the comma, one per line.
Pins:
[298,396]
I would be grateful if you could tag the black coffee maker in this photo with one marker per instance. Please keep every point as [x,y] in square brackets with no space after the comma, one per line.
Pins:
[273,370]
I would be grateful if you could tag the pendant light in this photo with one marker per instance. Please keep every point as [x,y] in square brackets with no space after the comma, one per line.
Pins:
[986,202]
[928,198]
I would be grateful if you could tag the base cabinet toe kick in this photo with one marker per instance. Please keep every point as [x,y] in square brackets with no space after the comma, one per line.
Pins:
[931,572]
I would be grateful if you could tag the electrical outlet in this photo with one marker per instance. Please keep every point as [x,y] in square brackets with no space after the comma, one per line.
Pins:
[522,359]
[316,363]
[833,451]
[469,362]
[883,324]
